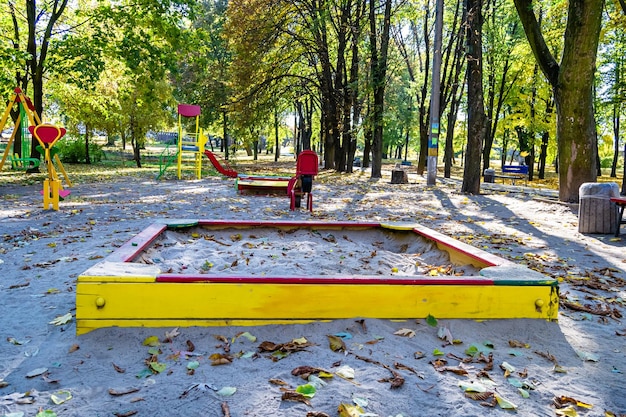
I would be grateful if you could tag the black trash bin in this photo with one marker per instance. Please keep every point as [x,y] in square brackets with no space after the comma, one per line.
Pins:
[490,175]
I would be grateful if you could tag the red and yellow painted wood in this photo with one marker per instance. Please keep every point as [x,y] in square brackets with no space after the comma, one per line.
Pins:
[118,292]
[262,184]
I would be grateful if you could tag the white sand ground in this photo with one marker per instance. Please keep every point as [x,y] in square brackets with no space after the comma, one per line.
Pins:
[574,366]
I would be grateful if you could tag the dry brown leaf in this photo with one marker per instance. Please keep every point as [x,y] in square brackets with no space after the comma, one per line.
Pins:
[361,323]
[123,391]
[305,371]
[126,414]
[396,380]
[118,369]
[276,381]
[269,346]
[190,346]
[479,396]
[405,333]
[220,359]
[73,348]
[295,396]
[518,344]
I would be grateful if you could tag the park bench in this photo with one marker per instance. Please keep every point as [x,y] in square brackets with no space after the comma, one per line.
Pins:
[513,173]
[621,204]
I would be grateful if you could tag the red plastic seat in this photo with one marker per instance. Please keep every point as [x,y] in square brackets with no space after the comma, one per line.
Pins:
[307,167]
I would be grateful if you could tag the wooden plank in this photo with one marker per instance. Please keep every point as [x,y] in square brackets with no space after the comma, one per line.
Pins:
[187,303]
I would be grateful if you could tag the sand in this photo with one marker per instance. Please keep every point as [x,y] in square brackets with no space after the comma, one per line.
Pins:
[387,368]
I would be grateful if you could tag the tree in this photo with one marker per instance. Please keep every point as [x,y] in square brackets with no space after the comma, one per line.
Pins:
[476,118]
[572,83]
[378,64]
[32,30]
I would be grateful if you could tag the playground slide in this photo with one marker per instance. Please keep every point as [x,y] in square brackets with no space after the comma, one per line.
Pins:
[222,169]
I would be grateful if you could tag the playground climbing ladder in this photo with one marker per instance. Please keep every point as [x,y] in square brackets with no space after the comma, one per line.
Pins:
[27,111]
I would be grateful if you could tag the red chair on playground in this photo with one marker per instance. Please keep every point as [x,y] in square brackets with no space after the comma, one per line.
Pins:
[302,183]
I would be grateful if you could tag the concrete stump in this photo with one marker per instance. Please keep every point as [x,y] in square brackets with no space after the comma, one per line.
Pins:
[596,212]
[399,176]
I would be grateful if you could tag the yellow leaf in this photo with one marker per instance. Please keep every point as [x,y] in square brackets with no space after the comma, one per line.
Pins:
[151,341]
[336,343]
[348,410]
[584,405]
[568,411]
[52,245]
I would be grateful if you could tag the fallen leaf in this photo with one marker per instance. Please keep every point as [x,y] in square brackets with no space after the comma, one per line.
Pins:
[345,371]
[74,348]
[568,411]
[305,371]
[190,346]
[123,391]
[295,396]
[349,410]
[227,391]
[308,390]
[151,341]
[505,404]
[126,414]
[36,372]
[336,343]
[158,367]
[405,333]
[118,369]
[60,397]
[279,382]
[14,341]
[170,335]
[444,334]
[61,320]
[220,359]
[247,335]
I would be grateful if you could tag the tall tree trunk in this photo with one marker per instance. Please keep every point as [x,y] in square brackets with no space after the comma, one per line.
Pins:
[87,137]
[545,137]
[476,118]
[572,82]
[379,73]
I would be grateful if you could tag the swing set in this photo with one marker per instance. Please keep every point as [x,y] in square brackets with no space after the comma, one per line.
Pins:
[47,135]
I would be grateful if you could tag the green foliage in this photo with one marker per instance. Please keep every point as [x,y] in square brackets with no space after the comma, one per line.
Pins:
[606,162]
[73,151]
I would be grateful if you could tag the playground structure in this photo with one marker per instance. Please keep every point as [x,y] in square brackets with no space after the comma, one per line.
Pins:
[194,143]
[295,187]
[26,116]
[302,183]
[186,143]
[47,135]
[121,292]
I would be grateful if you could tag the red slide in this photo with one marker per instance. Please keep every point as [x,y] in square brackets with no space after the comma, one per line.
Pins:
[222,169]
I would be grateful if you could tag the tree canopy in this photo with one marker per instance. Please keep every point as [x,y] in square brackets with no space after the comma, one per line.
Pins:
[355,75]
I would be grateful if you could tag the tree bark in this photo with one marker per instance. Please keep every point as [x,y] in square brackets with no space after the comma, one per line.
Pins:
[476,118]
[379,72]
